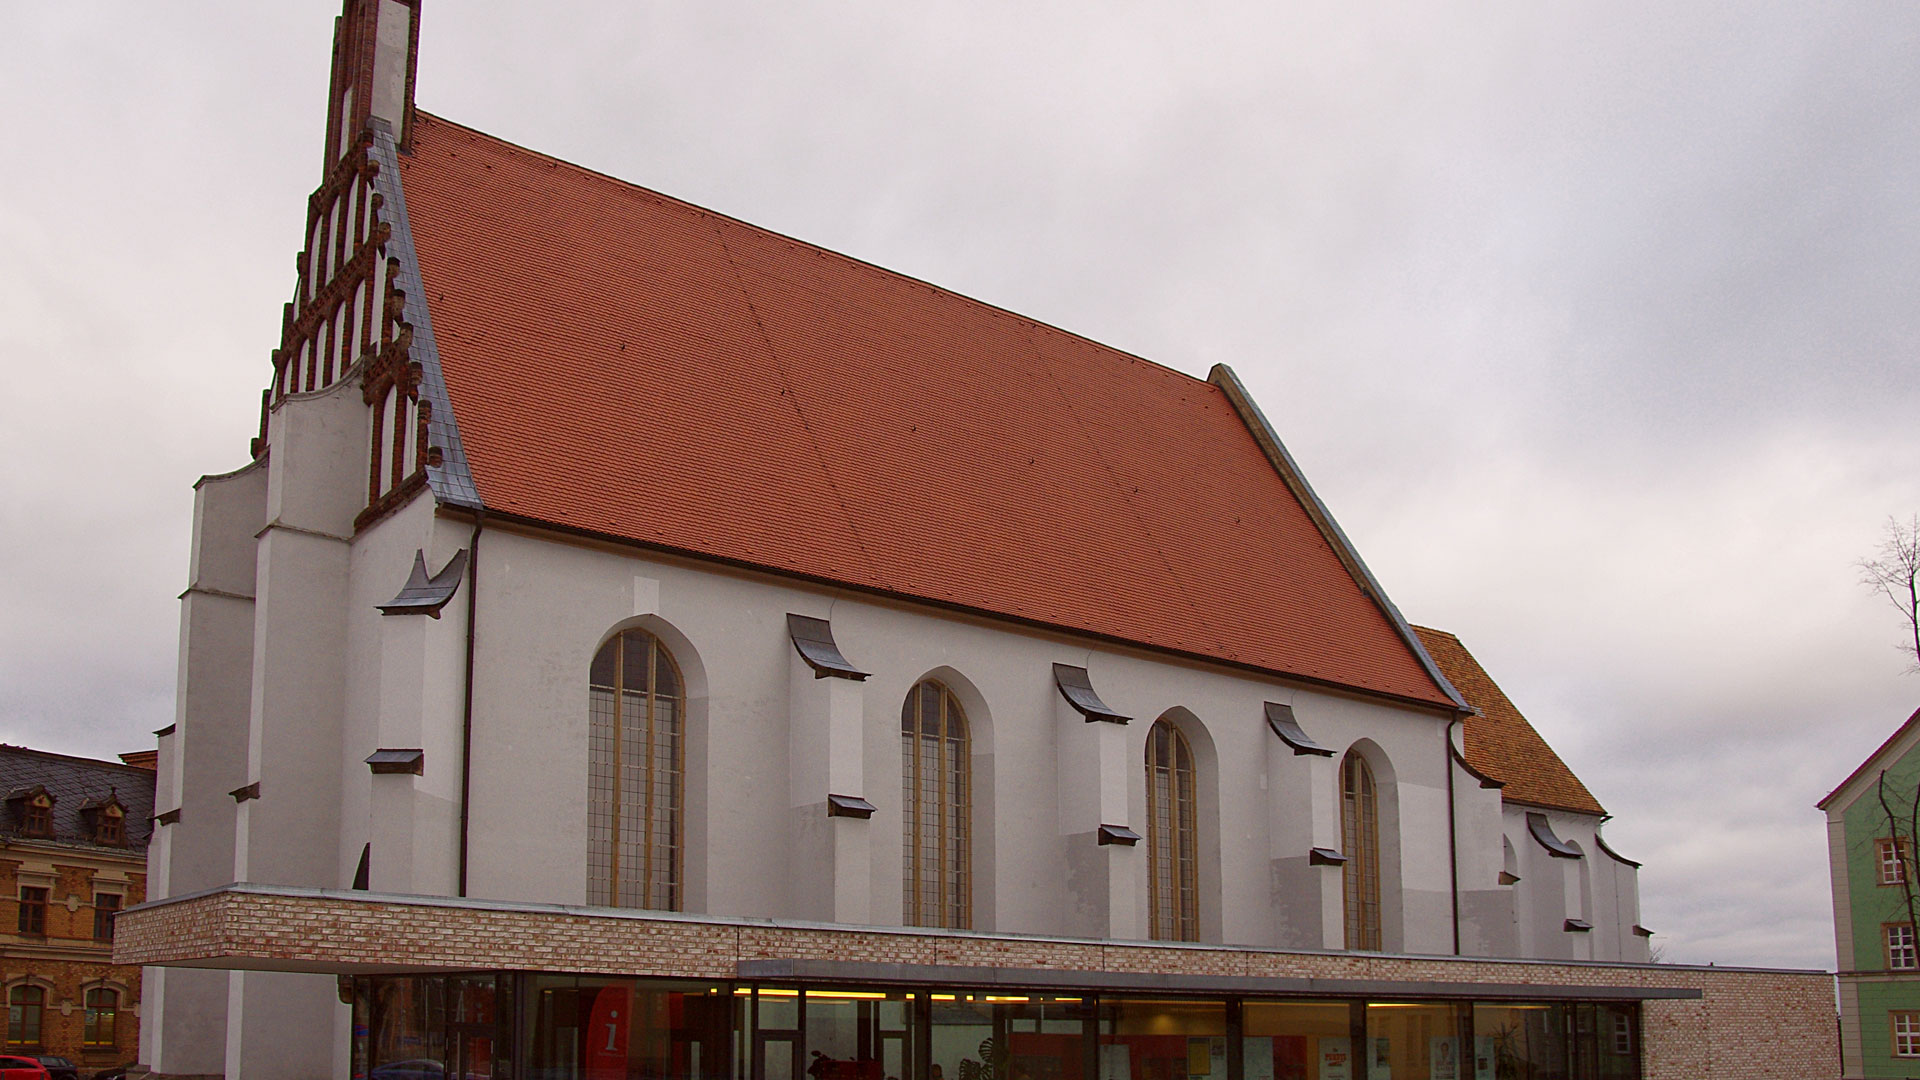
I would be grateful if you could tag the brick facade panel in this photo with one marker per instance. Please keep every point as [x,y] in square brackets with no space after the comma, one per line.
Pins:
[1750,1025]
[66,962]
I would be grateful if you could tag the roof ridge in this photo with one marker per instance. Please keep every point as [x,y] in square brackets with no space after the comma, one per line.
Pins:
[1267,437]
[853,259]
[75,757]
[807,425]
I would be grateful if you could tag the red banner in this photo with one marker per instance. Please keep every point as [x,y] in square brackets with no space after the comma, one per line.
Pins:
[607,1035]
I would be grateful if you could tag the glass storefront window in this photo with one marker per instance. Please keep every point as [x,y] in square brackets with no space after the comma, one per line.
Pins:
[430,1028]
[1608,1038]
[568,1027]
[828,1034]
[1297,1040]
[1408,1041]
[1171,1039]
[406,1033]
[1006,1036]
[473,1027]
[1520,1042]
[960,1042]
[606,1028]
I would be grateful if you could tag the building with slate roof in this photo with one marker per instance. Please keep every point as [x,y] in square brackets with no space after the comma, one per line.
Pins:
[73,840]
[643,644]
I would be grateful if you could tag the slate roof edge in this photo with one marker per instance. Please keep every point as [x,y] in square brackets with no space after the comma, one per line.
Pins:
[1276,452]
[451,481]
[497,517]
[134,850]
[121,765]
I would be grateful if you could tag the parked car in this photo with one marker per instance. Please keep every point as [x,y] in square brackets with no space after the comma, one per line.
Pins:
[21,1068]
[58,1068]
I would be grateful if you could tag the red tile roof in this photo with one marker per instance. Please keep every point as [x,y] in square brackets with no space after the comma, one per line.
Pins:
[1500,742]
[626,364]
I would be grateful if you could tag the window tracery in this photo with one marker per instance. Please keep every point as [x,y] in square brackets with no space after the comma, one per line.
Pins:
[1173,895]
[636,764]
[936,779]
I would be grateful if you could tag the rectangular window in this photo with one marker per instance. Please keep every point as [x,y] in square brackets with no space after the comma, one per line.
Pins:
[33,911]
[1906,1034]
[1901,954]
[105,907]
[1892,856]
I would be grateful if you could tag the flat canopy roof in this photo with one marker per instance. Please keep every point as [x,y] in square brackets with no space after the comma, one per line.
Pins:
[853,972]
[285,928]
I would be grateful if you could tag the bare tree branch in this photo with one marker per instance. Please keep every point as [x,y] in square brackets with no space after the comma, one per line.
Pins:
[1894,573]
[1902,847]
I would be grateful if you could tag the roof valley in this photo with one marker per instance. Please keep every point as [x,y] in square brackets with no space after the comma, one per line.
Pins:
[819,458]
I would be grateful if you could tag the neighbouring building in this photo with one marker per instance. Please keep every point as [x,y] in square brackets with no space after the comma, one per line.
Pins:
[1870,837]
[73,844]
[642,644]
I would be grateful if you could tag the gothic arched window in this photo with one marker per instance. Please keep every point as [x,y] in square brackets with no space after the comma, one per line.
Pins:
[1360,836]
[936,780]
[1173,894]
[636,761]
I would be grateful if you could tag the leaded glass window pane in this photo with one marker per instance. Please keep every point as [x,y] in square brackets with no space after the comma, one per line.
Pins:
[1360,837]
[1173,899]
[936,783]
[636,764]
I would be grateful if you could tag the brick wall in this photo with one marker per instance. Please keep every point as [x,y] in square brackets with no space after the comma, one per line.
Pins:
[66,961]
[1748,1025]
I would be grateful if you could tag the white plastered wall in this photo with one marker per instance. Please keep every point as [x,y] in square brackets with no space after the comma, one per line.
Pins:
[316,679]
[1487,907]
[183,1027]
[1596,888]
[546,605]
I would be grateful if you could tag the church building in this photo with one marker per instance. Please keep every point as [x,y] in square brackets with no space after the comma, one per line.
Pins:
[641,644]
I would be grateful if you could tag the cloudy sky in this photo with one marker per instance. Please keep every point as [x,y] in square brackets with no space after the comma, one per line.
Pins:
[1595,324]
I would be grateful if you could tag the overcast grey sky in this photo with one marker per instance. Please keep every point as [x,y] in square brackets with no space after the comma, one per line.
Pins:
[1595,324]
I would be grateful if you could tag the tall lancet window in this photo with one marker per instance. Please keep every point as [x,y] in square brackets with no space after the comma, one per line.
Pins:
[936,780]
[636,761]
[1173,894]
[1360,836]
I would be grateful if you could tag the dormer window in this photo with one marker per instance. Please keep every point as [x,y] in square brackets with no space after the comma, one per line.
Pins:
[32,812]
[106,821]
